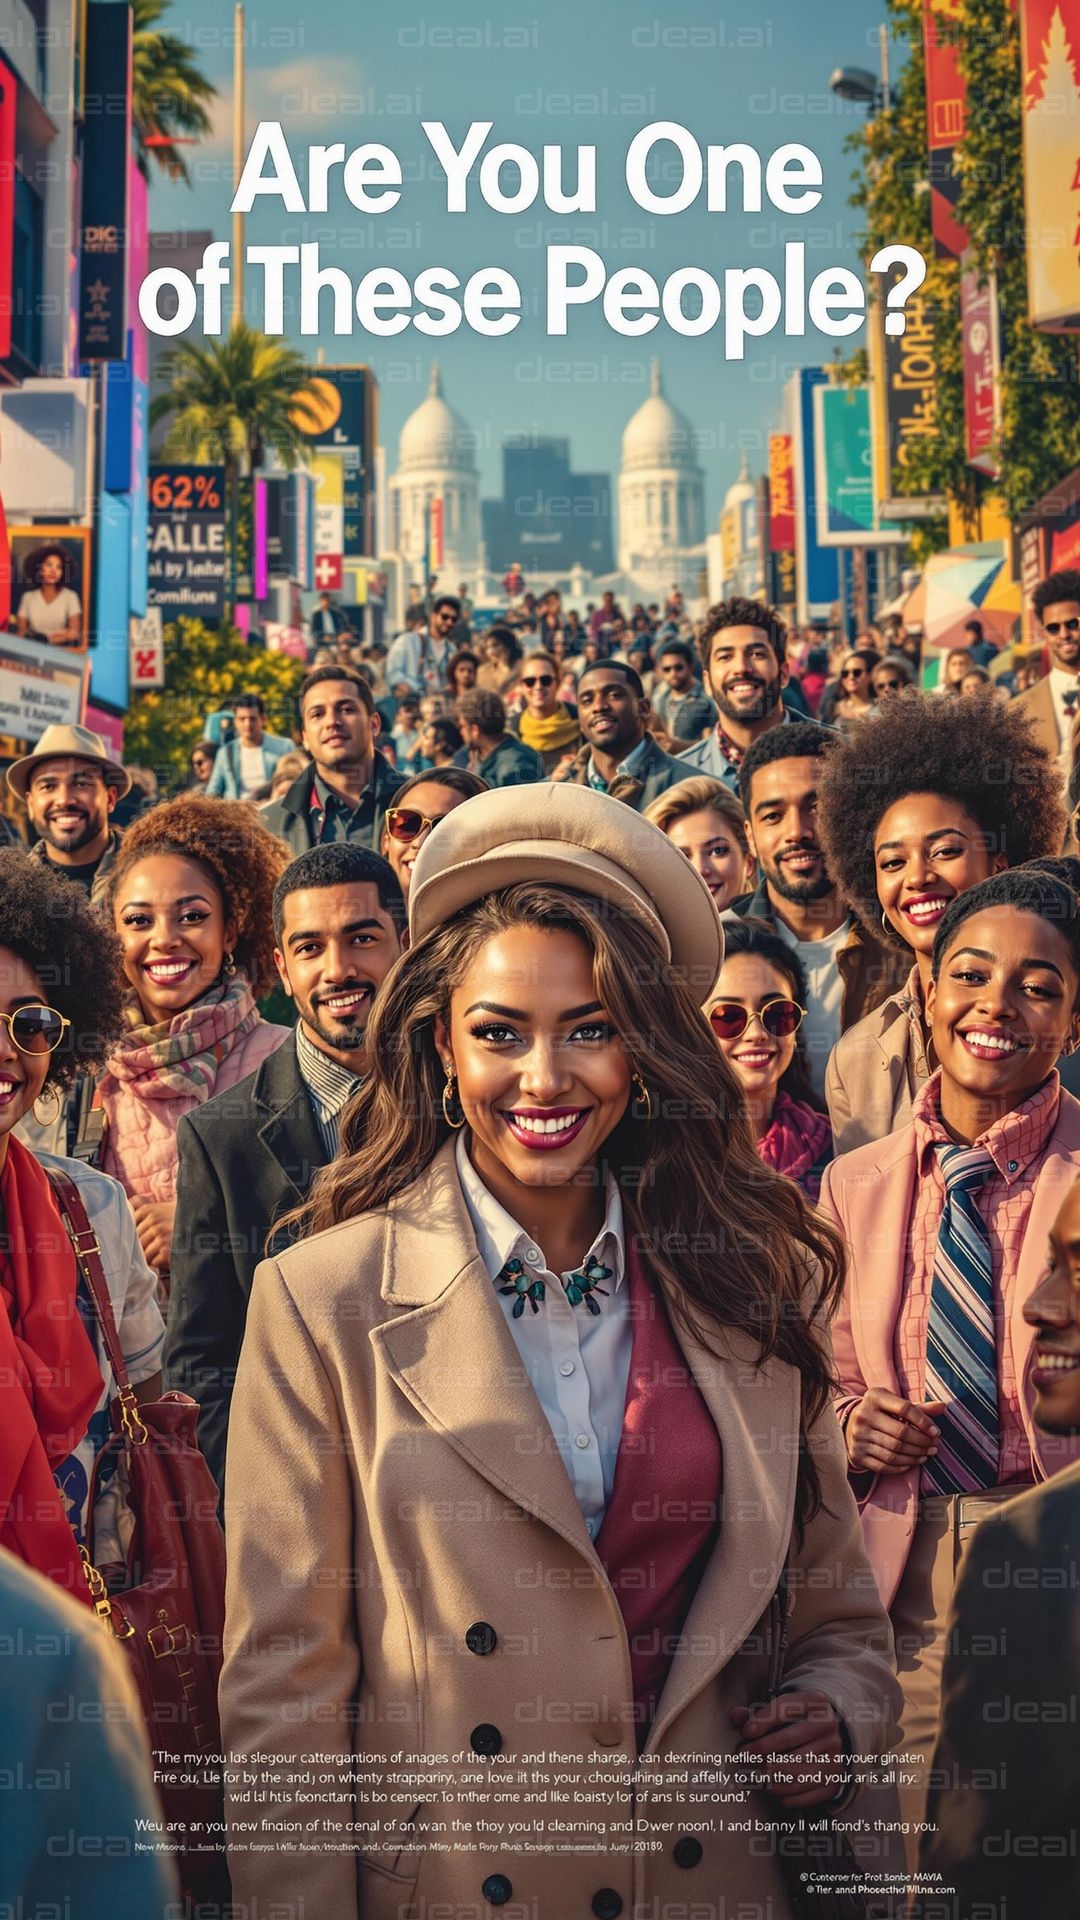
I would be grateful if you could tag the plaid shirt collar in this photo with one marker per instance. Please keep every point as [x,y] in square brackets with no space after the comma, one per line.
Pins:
[1013,1142]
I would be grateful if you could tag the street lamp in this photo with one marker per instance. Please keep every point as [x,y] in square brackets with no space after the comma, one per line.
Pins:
[858,84]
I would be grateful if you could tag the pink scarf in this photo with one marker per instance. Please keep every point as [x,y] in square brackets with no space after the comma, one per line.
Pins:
[795,1142]
[184,1054]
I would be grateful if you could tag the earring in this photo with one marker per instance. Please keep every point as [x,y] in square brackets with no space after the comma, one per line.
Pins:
[449,1096]
[46,1119]
[229,967]
[644,1098]
[885,927]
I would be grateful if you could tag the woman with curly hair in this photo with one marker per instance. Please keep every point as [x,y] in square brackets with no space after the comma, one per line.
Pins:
[551,1369]
[191,897]
[934,797]
[61,1004]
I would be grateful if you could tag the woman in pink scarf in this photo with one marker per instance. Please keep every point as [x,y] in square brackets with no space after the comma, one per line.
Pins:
[755,1012]
[191,899]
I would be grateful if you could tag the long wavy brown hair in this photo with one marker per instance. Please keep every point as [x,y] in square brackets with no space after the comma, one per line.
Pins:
[731,1243]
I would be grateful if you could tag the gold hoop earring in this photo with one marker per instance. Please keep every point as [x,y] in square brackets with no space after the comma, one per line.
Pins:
[229,967]
[448,1095]
[644,1098]
[47,1119]
[885,927]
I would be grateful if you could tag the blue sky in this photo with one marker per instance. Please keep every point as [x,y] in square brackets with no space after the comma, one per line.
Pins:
[567,72]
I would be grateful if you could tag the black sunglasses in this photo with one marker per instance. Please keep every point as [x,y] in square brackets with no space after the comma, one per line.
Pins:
[538,680]
[1054,627]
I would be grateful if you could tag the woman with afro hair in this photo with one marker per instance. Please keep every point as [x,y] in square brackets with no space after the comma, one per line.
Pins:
[61,1004]
[935,797]
[191,897]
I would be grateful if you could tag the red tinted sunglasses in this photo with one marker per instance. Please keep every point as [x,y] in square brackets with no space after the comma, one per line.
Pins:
[780,1018]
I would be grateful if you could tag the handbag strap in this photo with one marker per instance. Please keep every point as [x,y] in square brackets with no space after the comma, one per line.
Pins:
[87,1251]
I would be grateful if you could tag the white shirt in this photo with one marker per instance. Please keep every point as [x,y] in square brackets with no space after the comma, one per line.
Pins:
[252,769]
[825,989]
[1062,683]
[578,1362]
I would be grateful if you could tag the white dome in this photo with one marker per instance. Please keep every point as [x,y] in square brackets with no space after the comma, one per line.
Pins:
[658,435]
[435,436]
[741,489]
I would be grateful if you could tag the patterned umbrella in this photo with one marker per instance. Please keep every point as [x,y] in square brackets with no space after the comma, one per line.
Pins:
[962,584]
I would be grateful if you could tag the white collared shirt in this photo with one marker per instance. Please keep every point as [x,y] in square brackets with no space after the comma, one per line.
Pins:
[578,1362]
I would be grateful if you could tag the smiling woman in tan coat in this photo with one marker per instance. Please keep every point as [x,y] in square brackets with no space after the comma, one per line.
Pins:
[536,1486]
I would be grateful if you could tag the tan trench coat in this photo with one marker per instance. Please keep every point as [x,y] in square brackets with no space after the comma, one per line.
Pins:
[392,1483]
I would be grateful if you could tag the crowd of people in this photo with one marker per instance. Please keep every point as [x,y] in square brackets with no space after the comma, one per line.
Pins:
[586,1111]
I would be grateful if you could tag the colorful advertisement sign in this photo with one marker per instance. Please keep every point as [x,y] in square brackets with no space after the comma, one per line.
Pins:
[781,493]
[844,470]
[1050,54]
[50,585]
[340,416]
[8,99]
[904,409]
[946,112]
[39,688]
[817,570]
[187,541]
[979,338]
[103,239]
[109,661]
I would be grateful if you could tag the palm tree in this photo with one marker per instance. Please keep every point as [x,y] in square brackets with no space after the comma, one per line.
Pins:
[232,399]
[168,92]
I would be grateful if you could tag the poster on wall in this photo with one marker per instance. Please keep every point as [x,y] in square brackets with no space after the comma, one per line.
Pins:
[187,541]
[50,585]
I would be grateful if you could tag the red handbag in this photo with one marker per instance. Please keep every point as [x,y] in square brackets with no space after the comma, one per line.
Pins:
[169,1617]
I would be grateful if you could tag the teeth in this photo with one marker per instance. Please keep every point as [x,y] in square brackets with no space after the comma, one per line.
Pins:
[342,1002]
[546,1126]
[168,970]
[1058,1362]
[995,1042]
[924,909]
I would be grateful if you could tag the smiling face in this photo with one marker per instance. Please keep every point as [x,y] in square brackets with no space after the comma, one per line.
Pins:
[1002,1007]
[337,947]
[542,1076]
[338,730]
[171,921]
[677,672]
[927,849]
[1061,625]
[1054,1311]
[855,679]
[759,1060]
[714,848]
[540,684]
[744,674]
[22,1075]
[783,829]
[612,716]
[427,801]
[201,765]
[69,805]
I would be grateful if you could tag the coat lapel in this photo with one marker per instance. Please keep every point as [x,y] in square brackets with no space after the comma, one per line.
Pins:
[288,1129]
[453,1355]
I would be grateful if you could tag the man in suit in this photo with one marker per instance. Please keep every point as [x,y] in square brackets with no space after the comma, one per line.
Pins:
[1054,703]
[744,658]
[1004,1806]
[248,1155]
[345,792]
[620,756]
[246,762]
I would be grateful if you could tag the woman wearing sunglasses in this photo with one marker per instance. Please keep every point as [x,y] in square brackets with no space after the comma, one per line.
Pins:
[568,1444]
[61,1001]
[191,896]
[418,806]
[935,796]
[545,723]
[852,697]
[756,1012]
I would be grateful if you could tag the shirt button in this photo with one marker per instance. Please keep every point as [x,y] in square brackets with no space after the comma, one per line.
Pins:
[581,1440]
[1013,1164]
[566,1368]
[532,1255]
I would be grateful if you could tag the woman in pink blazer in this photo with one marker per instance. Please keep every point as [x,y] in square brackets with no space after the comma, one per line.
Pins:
[946,1222]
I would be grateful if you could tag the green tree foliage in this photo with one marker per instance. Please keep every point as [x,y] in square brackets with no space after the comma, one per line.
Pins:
[1040,391]
[204,668]
[169,94]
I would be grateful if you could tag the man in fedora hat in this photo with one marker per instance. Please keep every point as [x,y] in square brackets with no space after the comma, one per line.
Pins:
[69,786]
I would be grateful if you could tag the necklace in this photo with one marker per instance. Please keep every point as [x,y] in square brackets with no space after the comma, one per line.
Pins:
[579,1286]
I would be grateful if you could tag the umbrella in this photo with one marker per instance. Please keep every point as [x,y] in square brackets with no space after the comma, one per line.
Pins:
[963,584]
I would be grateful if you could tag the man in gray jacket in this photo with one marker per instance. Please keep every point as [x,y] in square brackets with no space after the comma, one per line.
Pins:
[620,756]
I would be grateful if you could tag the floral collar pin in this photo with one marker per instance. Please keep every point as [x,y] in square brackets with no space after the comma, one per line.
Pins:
[579,1286]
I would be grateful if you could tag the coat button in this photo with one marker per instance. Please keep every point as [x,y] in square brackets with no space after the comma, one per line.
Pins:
[607,1904]
[486,1739]
[497,1889]
[481,1638]
[687,1851]
[608,1734]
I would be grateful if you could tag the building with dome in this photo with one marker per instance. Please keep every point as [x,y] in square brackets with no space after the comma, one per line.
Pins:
[735,562]
[661,498]
[436,461]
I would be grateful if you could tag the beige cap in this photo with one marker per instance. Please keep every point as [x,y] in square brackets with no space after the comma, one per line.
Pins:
[69,743]
[570,836]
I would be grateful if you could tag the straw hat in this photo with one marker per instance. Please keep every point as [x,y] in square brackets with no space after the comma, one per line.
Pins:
[569,836]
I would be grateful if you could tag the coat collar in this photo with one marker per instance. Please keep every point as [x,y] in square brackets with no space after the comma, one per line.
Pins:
[451,1353]
[285,1118]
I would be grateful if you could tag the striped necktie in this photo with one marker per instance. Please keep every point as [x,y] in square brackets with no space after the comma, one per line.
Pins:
[961,1351]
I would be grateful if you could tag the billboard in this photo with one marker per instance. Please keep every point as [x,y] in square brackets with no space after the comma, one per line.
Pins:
[340,417]
[946,112]
[781,493]
[816,568]
[1050,108]
[50,585]
[112,603]
[103,234]
[39,688]
[979,342]
[844,470]
[187,542]
[46,446]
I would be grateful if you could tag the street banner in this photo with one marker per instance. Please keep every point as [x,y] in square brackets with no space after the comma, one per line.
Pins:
[339,415]
[1050,53]
[946,111]
[39,687]
[103,242]
[187,541]
[903,377]
[844,470]
[8,100]
[979,338]
[817,572]
[781,493]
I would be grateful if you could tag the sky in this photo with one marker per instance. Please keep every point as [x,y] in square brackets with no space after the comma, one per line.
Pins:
[564,72]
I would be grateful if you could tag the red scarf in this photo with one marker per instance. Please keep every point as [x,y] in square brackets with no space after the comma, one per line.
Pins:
[49,1375]
[795,1142]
